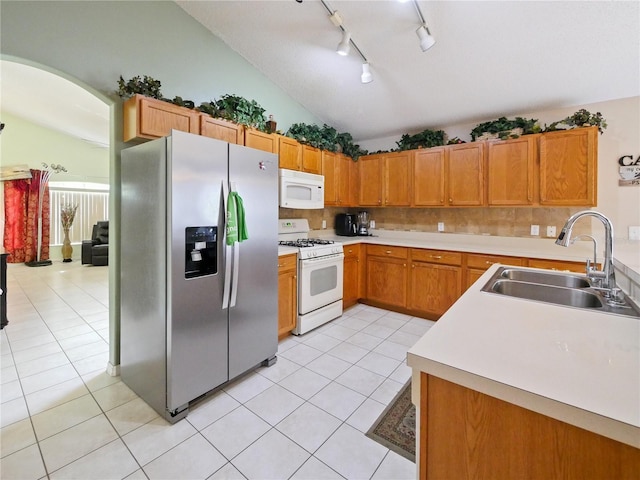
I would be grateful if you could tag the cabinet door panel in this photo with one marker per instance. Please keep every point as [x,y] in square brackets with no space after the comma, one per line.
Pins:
[287,294]
[331,178]
[397,179]
[221,130]
[510,166]
[434,288]
[290,153]
[568,167]
[429,177]
[387,280]
[466,174]
[260,140]
[370,181]
[311,160]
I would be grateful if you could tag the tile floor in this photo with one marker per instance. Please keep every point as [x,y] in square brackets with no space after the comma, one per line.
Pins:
[63,417]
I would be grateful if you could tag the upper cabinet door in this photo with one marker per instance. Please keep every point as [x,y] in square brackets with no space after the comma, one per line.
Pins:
[331,176]
[466,174]
[311,160]
[510,171]
[429,186]
[397,179]
[221,129]
[150,118]
[568,167]
[370,169]
[260,141]
[290,154]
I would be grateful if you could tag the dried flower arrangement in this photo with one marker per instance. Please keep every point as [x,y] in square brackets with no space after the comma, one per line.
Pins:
[67,215]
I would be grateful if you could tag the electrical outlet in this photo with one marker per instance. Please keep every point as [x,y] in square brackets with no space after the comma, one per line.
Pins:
[535,230]
[372,224]
[324,224]
[634,233]
[441,226]
[551,231]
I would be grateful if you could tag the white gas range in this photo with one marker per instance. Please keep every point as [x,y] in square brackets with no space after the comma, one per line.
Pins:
[320,274]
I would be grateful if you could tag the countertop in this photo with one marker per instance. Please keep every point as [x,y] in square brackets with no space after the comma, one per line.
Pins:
[574,365]
[626,253]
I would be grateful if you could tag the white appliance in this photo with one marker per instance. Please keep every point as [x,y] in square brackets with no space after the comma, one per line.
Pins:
[301,190]
[320,274]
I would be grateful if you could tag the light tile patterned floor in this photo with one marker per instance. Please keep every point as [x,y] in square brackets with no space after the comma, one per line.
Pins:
[63,417]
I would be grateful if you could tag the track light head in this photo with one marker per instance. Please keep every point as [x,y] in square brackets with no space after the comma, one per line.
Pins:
[345,44]
[426,39]
[366,76]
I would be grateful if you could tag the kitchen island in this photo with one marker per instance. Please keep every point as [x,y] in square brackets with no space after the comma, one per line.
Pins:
[511,388]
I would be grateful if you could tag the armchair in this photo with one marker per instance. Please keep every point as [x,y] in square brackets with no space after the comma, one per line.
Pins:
[96,250]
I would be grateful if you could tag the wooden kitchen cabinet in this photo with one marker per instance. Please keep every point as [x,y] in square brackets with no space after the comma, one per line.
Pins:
[465,175]
[370,180]
[267,142]
[352,267]
[287,293]
[500,440]
[311,160]
[510,171]
[221,129]
[386,275]
[397,179]
[339,186]
[435,281]
[289,153]
[568,167]
[429,178]
[149,118]
[478,263]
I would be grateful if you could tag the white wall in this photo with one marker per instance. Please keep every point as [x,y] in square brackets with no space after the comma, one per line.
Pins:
[621,137]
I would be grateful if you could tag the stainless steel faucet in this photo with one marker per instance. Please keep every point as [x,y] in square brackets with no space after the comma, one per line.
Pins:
[591,267]
[607,275]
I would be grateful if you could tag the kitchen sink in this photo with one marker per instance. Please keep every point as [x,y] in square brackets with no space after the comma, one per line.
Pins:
[565,289]
[570,297]
[546,278]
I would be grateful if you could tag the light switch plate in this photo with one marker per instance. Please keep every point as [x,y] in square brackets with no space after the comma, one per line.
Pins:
[535,230]
[324,224]
[551,231]
[441,226]
[372,224]
[634,232]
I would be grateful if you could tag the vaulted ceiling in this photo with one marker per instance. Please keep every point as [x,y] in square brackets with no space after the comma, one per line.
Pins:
[490,58]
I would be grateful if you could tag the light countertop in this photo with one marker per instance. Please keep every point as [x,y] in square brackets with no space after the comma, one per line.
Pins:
[578,366]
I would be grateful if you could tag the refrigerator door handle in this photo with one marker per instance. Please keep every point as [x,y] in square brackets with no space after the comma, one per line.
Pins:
[227,248]
[236,274]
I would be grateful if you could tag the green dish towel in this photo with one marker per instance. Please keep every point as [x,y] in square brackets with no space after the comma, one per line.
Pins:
[236,220]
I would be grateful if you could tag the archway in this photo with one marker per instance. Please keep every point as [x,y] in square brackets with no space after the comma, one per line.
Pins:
[44,99]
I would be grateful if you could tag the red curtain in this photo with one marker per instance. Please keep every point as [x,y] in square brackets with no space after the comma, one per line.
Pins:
[21,219]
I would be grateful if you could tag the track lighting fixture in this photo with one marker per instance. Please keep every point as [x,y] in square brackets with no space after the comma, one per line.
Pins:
[345,44]
[426,39]
[347,41]
[366,76]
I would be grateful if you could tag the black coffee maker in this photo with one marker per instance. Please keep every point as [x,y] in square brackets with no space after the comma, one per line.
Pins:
[346,225]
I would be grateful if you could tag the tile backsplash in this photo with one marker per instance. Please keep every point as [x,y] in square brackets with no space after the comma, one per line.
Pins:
[504,222]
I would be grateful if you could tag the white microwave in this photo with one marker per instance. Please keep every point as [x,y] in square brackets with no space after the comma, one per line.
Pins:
[301,190]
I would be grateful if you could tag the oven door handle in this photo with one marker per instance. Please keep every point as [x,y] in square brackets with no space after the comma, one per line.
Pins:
[321,260]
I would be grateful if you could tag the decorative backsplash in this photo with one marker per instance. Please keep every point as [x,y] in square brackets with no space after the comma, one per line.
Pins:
[504,222]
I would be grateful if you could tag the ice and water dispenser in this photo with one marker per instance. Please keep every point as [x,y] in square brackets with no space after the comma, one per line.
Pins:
[201,251]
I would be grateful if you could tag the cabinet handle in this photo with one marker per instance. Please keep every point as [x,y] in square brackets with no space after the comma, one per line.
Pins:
[489,263]
[451,200]
[437,257]
[388,252]
[280,265]
[295,276]
[404,264]
[413,265]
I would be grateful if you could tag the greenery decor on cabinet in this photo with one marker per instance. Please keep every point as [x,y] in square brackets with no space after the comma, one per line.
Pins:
[237,109]
[425,139]
[582,118]
[147,86]
[325,138]
[503,128]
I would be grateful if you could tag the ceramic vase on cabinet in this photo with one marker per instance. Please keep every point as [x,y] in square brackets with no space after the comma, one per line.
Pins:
[67,249]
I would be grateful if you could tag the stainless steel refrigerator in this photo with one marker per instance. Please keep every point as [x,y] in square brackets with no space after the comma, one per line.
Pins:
[195,312]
